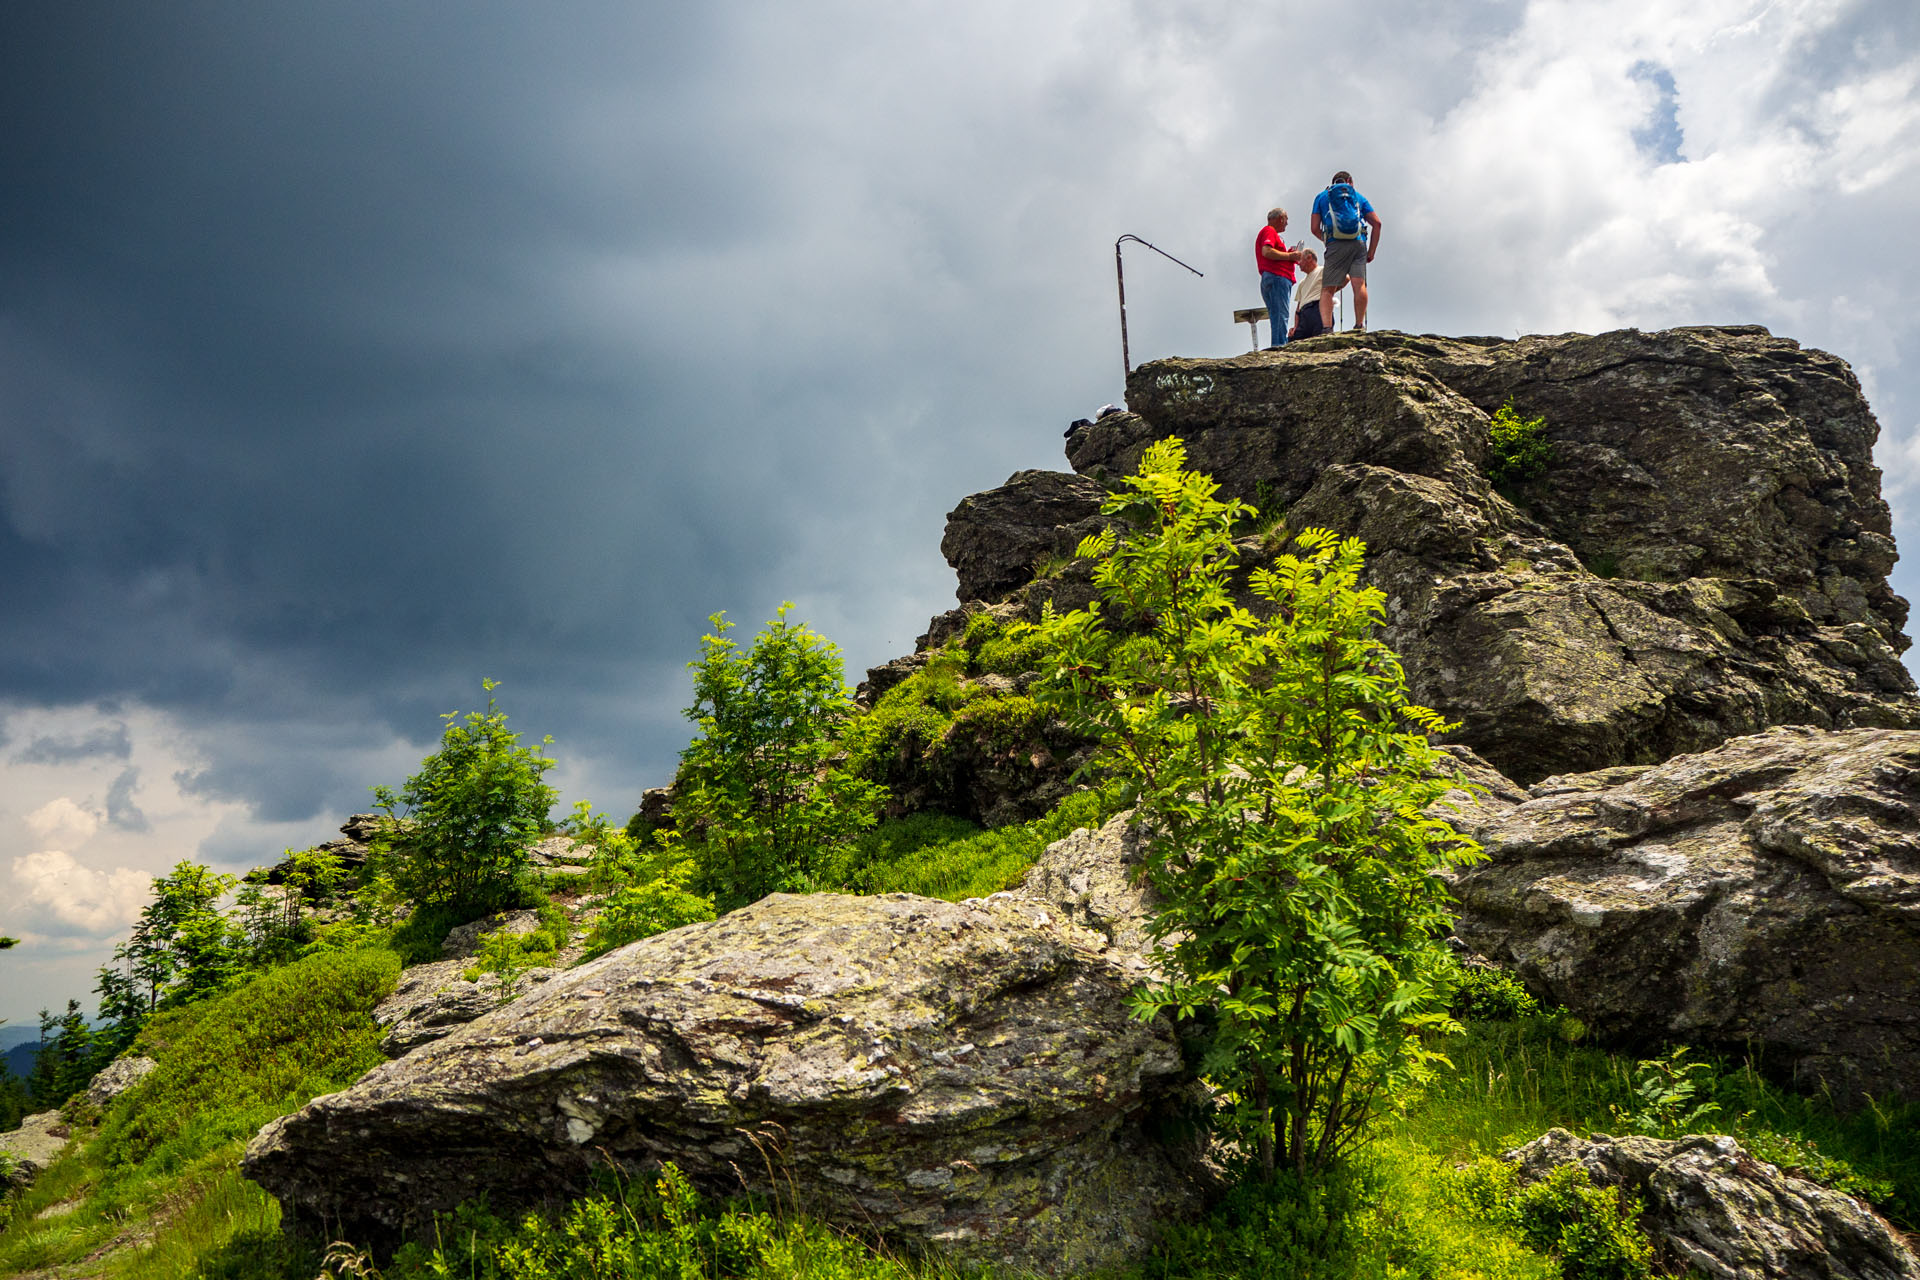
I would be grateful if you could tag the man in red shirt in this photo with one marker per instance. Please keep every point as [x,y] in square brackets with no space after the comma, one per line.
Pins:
[1276,261]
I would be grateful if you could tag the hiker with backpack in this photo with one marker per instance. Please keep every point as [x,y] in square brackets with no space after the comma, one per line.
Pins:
[1341,219]
[1276,261]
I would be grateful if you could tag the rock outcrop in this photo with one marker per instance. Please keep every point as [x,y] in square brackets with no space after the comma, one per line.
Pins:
[357,835]
[117,1077]
[32,1147]
[960,1073]
[1711,1207]
[1706,555]
[1765,893]
[994,540]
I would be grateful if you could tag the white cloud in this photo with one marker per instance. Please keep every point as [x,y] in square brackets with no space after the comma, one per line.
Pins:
[64,820]
[63,897]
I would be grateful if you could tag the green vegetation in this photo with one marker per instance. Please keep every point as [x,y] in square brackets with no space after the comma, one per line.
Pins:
[929,735]
[659,1230]
[461,826]
[1520,449]
[938,856]
[1285,776]
[166,1153]
[758,798]
[504,956]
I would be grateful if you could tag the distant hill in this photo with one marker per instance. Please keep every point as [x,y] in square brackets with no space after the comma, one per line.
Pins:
[19,1058]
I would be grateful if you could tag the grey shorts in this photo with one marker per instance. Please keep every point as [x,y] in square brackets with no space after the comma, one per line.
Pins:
[1346,259]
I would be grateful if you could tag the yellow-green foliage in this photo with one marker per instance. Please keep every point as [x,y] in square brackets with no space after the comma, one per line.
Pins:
[1520,450]
[908,723]
[659,1230]
[642,910]
[1491,994]
[289,1034]
[1393,1213]
[1594,1232]
[1002,648]
[938,856]
[919,727]
[507,955]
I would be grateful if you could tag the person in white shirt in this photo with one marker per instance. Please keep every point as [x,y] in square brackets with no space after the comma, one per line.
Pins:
[1306,299]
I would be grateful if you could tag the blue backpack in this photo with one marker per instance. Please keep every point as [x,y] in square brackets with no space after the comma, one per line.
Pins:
[1343,212]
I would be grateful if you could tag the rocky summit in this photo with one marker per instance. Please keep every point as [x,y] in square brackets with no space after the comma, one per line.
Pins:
[967,1074]
[1704,556]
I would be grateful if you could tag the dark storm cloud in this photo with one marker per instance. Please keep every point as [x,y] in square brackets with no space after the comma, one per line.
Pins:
[109,742]
[122,812]
[295,402]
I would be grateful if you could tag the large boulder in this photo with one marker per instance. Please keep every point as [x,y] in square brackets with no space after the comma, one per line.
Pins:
[1712,1209]
[1765,893]
[966,1074]
[1706,555]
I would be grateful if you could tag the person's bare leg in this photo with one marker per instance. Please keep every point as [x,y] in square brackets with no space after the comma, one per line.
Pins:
[1359,303]
[1326,310]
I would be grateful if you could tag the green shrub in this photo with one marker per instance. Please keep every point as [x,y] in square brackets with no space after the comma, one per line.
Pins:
[891,742]
[1802,1158]
[1669,1096]
[1520,449]
[1492,994]
[465,820]
[759,798]
[1287,779]
[507,955]
[996,647]
[1594,1231]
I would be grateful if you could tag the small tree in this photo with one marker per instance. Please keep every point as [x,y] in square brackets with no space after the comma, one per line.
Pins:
[757,792]
[66,1059]
[1285,777]
[183,946]
[463,823]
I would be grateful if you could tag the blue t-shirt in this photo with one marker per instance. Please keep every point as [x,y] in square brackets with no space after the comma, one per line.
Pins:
[1323,205]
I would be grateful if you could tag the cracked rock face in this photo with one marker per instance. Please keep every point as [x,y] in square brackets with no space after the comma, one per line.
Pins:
[1706,555]
[1765,893]
[1713,1209]
[962,1073]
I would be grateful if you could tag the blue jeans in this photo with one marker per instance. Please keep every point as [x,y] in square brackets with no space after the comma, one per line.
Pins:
[1277,292]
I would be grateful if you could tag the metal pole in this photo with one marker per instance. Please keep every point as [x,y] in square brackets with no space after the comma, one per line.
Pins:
[1119,275]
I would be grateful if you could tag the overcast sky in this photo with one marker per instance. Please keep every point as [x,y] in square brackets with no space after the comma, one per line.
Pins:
[353,352]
